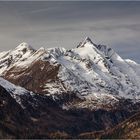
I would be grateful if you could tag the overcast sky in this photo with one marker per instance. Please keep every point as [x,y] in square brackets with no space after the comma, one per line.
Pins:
[65,24]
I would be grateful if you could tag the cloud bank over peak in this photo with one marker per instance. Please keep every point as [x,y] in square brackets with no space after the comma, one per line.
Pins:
[65,24]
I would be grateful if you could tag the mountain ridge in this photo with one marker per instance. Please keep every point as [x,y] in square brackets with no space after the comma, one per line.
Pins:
[91,71]
[66,93]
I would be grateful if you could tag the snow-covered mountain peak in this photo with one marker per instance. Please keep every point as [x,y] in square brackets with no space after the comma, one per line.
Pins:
[102,50]
[24,47]
[88,50]
[86,41]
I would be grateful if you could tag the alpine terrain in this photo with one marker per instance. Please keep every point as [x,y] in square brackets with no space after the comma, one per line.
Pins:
[85,92]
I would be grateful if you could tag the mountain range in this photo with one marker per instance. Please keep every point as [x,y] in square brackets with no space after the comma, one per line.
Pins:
[83,92]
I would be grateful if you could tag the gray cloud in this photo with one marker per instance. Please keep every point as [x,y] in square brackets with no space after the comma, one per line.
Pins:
[65,24]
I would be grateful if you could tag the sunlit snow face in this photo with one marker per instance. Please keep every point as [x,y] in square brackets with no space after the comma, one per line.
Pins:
[65,24]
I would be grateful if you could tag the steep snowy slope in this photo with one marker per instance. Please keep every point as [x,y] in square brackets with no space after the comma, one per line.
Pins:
[19,94]
[95,74]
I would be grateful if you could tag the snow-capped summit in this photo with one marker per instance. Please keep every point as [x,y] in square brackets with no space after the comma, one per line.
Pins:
[24,47]
[13,57]
[87,40]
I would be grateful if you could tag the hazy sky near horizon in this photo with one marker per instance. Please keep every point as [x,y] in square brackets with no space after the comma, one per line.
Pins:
[64,24]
